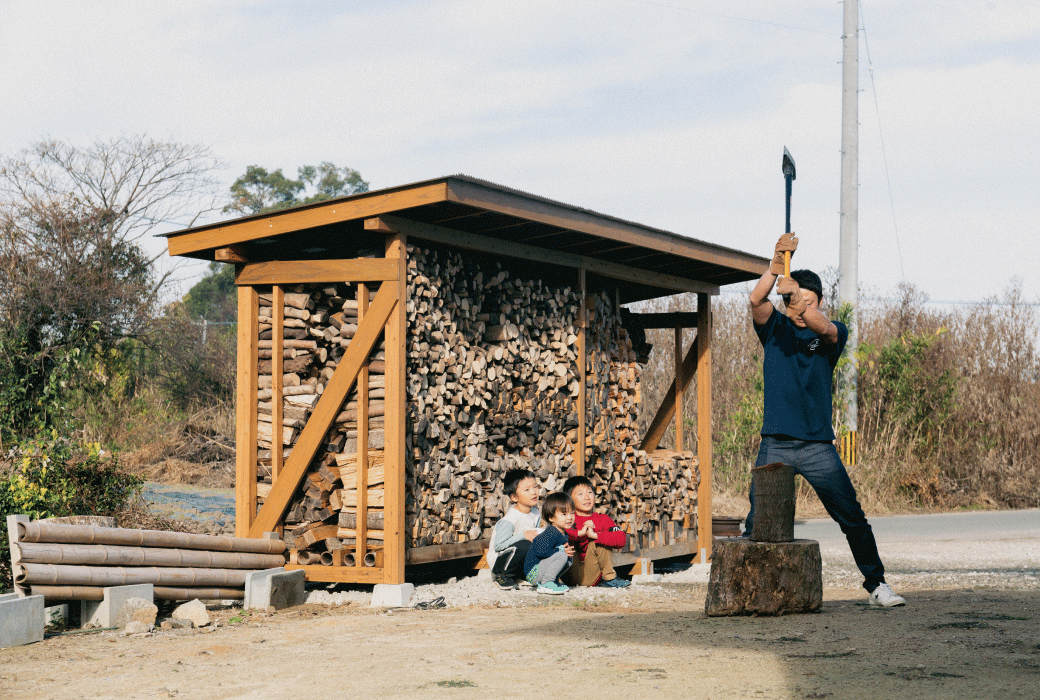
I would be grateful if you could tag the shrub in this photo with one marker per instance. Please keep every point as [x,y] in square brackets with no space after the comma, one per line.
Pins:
[48,478]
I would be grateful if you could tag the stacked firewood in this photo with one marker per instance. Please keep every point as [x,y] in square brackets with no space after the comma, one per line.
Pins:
[493,384]
[319,323]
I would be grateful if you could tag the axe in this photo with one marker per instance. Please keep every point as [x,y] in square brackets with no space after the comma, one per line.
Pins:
[788,167]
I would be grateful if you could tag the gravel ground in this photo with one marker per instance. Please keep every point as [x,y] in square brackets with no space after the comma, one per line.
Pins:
[935,551]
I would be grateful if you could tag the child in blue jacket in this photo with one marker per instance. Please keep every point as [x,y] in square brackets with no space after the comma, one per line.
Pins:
[551,551]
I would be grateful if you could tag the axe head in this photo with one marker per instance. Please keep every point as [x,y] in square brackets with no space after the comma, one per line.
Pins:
[788,164]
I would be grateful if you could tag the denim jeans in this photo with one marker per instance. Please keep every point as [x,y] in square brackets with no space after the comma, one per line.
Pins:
[820,465]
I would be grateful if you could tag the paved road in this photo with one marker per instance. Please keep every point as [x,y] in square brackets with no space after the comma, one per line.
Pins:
[973,549]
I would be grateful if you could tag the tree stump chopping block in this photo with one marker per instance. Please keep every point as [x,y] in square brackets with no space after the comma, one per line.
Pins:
[764,578]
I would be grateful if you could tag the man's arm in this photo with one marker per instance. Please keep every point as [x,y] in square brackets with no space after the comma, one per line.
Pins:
[761,307]
[820,325]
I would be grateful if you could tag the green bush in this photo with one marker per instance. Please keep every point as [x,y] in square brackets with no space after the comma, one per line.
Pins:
[49,478]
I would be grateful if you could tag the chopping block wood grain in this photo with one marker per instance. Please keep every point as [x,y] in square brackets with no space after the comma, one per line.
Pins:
[764,578]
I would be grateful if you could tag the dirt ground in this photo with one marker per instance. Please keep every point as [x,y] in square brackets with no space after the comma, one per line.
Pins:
[654,642]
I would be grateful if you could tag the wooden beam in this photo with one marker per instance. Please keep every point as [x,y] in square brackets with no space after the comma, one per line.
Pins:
[394,428]
[677,319]
[679,386]
[530,253]
[324,413]
[666,410]
[377,224]
[442,552]
[246,410]
[704,536]
[339,574]
[286,272]
[230,254]
[567,217]
[205,238]
[361,536]
[277,362]
[583,315]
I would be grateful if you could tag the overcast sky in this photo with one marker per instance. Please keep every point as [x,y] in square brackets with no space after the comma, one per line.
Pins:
[673,114]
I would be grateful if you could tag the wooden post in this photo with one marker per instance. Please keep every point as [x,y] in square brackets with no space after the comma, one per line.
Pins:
[579,454]
[361,520]
[679,386]
[246,410]
[394,432]
[704,536]
[277,362]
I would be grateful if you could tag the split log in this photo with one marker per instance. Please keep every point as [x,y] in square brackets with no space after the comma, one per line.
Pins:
[773,486]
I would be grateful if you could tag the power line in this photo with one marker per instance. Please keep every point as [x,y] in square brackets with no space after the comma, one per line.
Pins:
[733,17]
[881,136]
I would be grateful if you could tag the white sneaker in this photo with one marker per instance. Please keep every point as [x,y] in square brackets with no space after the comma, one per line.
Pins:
[883,597]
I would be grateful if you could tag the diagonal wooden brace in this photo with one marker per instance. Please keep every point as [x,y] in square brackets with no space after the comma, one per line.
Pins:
[325,412]
[663,417]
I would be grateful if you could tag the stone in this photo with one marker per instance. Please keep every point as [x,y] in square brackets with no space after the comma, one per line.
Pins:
[195,611]
[136,627]
[176,624]
[136,610]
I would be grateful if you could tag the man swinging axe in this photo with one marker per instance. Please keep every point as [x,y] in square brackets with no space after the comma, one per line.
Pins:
[801,349]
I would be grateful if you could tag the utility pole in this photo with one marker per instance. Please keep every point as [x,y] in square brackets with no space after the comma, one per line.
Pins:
[848,261]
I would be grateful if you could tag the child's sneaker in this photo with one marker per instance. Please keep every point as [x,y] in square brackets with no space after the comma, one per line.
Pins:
[884,597]
[524,583]
[614,583]
[504,582]
[552,588]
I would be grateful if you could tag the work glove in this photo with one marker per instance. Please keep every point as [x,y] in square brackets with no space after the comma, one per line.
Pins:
[786,243]
[793,299]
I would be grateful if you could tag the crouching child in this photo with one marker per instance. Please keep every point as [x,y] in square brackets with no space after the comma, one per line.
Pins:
[550,553]
[515,531]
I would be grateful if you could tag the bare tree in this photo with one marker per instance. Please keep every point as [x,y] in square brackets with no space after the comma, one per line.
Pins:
[73,273]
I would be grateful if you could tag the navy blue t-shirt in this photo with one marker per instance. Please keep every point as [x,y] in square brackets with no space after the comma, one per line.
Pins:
[797,369]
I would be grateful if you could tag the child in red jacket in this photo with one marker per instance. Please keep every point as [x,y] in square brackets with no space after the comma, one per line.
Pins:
[596,536]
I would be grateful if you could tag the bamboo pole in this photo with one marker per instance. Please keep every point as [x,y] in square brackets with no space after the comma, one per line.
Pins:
[89,534]
[60,574]
[112,555]
[58,593]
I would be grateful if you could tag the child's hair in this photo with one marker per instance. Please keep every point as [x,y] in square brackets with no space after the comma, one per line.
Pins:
[512,480]
[809,280]
[576,481]
[554,503]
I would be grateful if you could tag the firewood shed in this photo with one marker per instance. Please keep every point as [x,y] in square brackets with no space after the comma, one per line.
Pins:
[399,350]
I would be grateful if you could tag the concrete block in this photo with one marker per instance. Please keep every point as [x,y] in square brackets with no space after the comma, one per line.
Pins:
[21,620]
[104,613]
[484,575]
[392,595]
[647,578]
[274,588]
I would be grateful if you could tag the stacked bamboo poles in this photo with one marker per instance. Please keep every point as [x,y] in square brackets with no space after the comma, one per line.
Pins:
[76,562]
